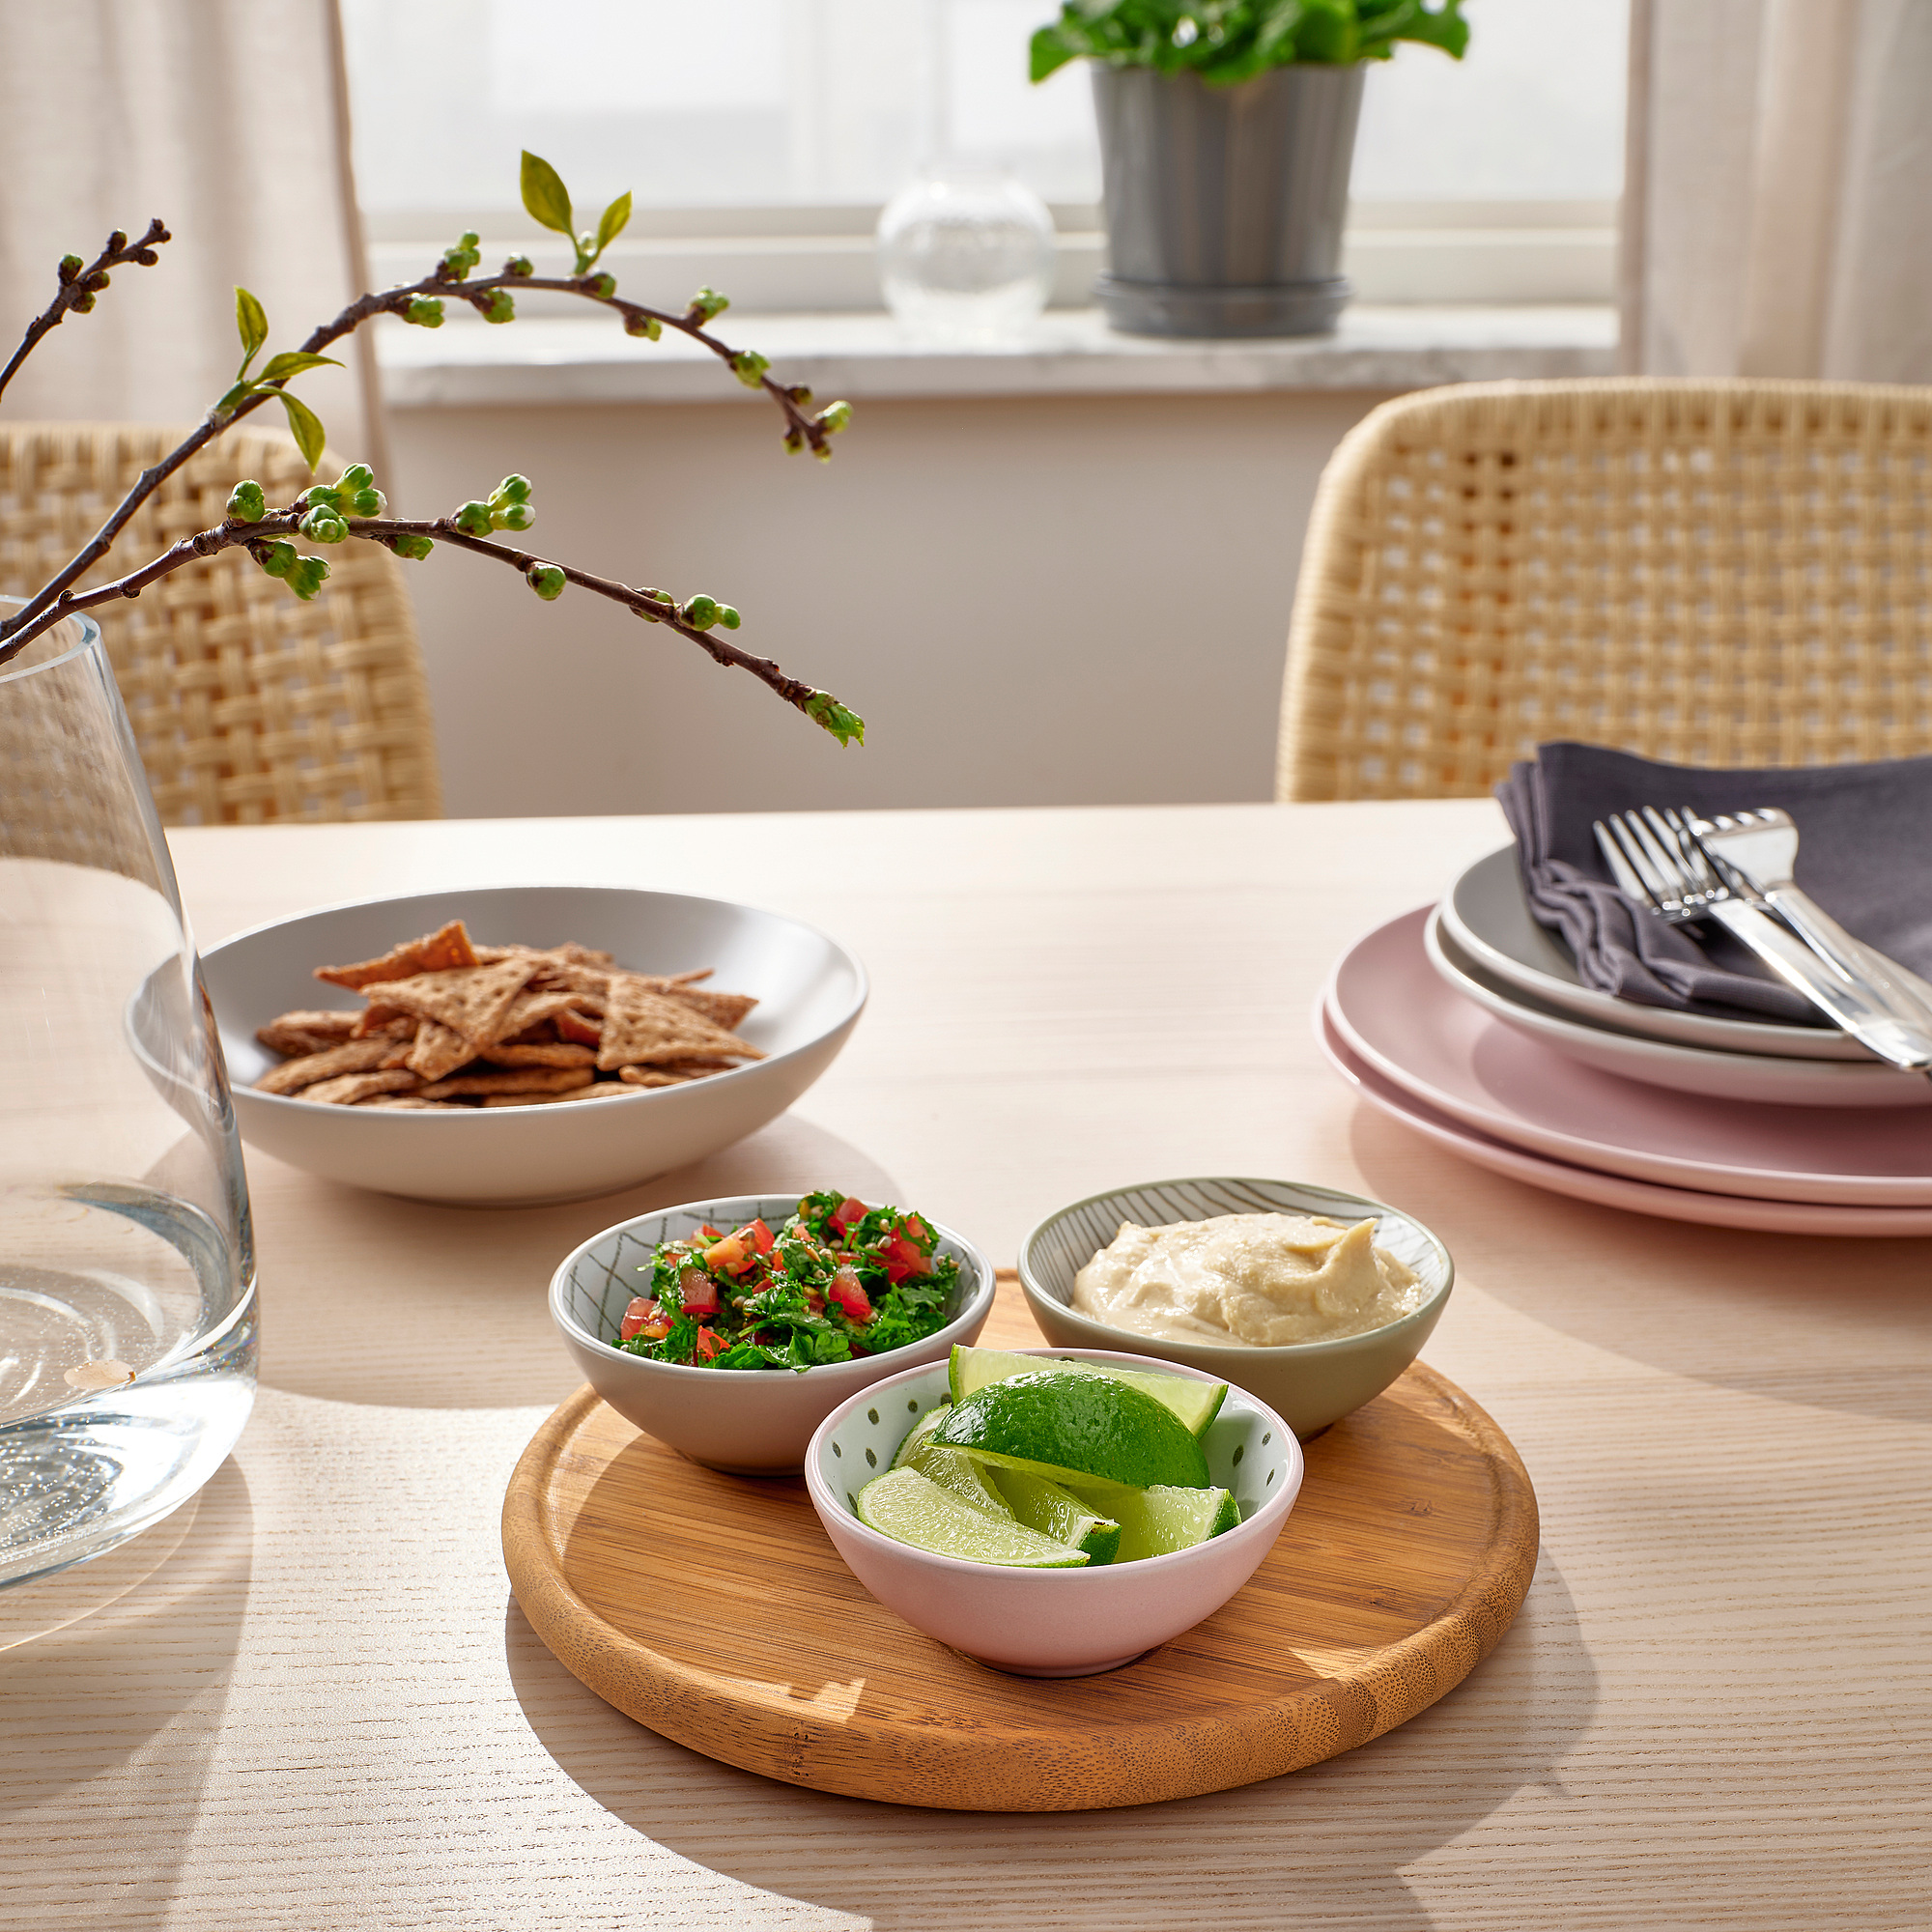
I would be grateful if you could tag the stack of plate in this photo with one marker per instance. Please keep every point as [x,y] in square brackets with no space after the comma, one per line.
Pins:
[1468,1023]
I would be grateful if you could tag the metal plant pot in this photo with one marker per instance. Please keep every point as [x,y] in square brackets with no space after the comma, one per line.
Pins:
[1225,204]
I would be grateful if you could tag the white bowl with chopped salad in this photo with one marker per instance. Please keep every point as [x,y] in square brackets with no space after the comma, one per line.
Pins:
[730,1329]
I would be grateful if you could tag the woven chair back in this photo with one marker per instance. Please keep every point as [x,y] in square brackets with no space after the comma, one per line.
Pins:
[248,705]
[1726,573]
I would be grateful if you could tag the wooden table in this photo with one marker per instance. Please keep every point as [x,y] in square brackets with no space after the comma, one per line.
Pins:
[309,1700]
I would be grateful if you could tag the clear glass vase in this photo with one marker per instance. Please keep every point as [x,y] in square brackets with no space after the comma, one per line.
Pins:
[966,257]
[126,1261]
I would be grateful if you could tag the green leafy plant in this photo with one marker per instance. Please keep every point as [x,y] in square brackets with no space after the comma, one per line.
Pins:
[1229,41]
[326,514]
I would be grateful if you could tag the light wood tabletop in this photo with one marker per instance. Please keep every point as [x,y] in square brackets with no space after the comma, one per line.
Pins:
[309,1700]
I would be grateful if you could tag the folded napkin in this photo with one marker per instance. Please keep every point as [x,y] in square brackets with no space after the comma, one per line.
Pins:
[1864,853]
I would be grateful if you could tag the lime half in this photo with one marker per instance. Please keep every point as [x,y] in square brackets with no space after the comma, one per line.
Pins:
[909,1508]
[1196,1404]
[1055,1425]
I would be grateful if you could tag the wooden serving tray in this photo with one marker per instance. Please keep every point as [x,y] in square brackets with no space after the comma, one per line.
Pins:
[714,1609]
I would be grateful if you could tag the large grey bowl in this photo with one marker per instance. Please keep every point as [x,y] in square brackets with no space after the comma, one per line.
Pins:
[747,1423]
[811,992]
[1310,1384]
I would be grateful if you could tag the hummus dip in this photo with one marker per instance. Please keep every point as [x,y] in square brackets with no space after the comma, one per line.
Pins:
[1257,1281]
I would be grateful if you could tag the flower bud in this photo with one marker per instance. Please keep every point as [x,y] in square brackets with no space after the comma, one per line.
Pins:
[546,579]
[474,520]
[83,303]
[307,577]
[246,504]
[729,618]
[749,367]
[513,517]
[368,503]
[276,558]
[519,265]
[700,613]
[834,417]
[70,267]
[469,238]
[709,304]
[646,326]
[513,489]
[601,285]
[410,544]
[425,311]
[357,476]
[322,496]
[500,307]
[323,524]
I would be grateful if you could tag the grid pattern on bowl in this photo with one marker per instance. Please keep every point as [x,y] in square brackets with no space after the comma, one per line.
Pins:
[605,1278]
[1057,1251]
[1246,1451]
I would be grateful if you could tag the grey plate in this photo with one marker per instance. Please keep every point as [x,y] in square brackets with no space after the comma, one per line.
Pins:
[1486,915]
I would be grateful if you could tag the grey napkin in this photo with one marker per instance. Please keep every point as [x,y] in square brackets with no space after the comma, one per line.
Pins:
[1862,854]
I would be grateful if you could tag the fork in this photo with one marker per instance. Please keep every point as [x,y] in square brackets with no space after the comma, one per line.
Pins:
[1758,850]
[1658,862]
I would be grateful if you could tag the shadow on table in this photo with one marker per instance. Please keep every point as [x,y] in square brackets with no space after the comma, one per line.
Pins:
[471,1328]
[1673,1294]
[114,1682]
[1329,1842]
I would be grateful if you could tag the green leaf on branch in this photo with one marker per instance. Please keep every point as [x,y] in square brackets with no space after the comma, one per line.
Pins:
[545,195]
[251,324]
[847,726]
[305,426]
[291,362]
[615,218]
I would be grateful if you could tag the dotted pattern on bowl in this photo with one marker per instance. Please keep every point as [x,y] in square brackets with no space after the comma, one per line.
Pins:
[602,1282]
[1060,1249]
[1246,1451]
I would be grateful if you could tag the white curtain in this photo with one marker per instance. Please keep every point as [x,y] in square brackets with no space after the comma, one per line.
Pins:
[227,119]
[1778,199]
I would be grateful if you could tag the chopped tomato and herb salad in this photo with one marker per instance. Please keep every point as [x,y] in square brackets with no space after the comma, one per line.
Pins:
[835,1281]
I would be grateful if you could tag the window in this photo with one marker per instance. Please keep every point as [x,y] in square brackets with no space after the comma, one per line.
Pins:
[760,137]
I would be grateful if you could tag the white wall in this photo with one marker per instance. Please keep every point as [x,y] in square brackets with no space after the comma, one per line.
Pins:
[1078,600]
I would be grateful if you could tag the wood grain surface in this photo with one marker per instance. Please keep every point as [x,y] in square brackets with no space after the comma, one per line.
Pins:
[312,1701]
[661,1585]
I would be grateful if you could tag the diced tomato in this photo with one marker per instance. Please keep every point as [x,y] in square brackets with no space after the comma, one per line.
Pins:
[902,1259]
[851,1299]
[731,1254]
[707,1343]
[762,1237]
[712,1234]
[641,1311]
[848,1213]
[699,1293]
[916,1228]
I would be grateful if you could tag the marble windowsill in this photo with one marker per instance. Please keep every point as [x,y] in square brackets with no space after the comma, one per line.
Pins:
[1071,352]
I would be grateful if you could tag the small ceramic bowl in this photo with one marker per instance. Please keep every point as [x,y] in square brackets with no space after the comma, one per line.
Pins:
[811,992]
[745,1423]
[1311,1383]
[1050,1623]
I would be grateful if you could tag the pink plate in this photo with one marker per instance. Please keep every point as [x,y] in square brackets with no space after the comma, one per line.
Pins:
[1396,1015]
[1610,1190]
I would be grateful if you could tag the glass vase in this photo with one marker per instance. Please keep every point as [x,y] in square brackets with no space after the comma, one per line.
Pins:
[966,257]
[126,1263]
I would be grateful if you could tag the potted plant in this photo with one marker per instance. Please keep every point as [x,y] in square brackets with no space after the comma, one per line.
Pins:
[1227,130]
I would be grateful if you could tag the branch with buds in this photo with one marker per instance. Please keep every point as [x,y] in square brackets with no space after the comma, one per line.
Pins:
[353,507]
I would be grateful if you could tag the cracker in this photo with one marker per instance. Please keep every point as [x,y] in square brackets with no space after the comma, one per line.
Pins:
[721,1010]
[353,1056]
[538,1054]
[438,1050]
[448,945]
[412,1103]
[391,1020]
[573,1024]
[303,1032]
[513,1080]
[599,1090]
[642,1025]
[526,1011]
[350,1088]
[653,1076]
[474,1001]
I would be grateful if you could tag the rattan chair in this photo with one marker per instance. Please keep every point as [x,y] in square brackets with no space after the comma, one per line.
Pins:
[248,705]
[1730,572]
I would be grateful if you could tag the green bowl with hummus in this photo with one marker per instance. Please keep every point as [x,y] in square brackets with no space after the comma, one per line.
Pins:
[1311,1299]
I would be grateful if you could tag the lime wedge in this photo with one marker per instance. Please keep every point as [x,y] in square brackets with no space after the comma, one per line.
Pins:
[1155,1522]
[918,1434]
[907,1507]
[956,1472]
[1056,1512]
[1196,1404]
[1056,1425]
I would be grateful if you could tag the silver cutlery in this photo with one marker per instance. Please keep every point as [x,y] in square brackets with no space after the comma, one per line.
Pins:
[1761,849]
[1656,861]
